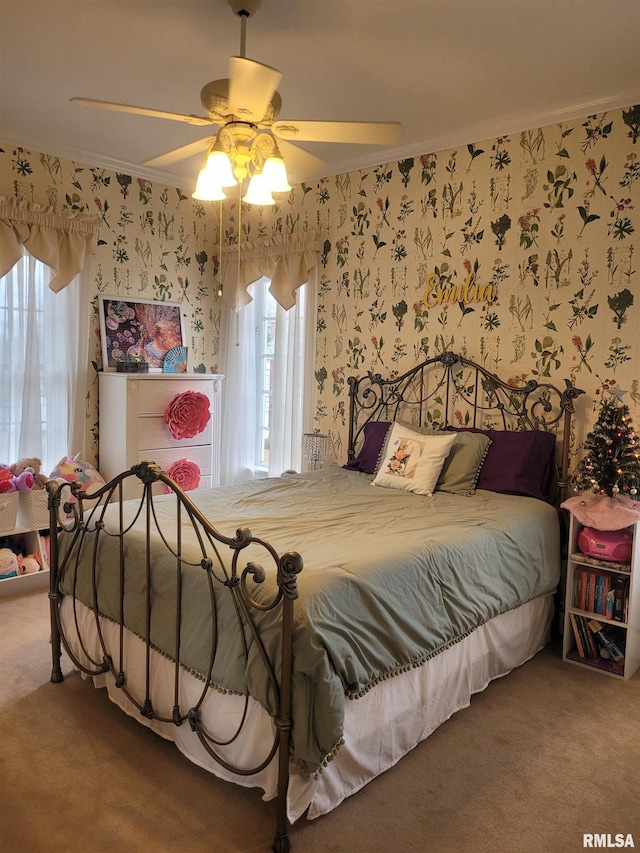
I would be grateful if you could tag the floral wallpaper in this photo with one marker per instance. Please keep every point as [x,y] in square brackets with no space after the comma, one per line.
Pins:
[519,252]
[154,242]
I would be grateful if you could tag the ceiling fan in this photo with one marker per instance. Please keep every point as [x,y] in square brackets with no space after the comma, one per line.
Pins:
[246,107]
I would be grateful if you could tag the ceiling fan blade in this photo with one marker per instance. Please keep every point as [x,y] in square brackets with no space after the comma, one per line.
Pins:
[363,132]
[251,88]
[177,154]
[142,111]
[301,165]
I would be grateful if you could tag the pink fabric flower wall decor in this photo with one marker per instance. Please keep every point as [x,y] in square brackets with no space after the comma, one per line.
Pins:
[185,473]
[187,414]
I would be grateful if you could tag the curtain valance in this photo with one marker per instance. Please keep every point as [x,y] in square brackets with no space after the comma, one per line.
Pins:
[59,240]
[286,262]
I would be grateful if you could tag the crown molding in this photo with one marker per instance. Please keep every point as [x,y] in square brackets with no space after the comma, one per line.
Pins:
[463,135]
[90,160]
[492,128]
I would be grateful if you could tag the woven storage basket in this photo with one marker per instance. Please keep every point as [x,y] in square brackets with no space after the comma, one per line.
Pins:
[33,510]
[8,512]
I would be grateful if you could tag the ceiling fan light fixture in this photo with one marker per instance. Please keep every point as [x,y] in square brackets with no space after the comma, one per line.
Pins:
[274,173]
[218,167]
[206,188]
[258,192]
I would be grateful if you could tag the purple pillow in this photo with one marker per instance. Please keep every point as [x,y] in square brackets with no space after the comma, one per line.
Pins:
[366,461]
[518,463]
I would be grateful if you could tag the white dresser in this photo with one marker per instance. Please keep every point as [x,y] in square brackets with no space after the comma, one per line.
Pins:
[132,427]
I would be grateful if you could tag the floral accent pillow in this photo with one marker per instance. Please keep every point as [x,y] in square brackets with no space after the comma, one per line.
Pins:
[412,461]
[464,463]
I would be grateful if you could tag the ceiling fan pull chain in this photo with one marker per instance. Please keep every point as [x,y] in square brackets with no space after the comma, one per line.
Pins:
[239,257]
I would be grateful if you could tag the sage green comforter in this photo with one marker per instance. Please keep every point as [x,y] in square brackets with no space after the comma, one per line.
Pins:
[390,578]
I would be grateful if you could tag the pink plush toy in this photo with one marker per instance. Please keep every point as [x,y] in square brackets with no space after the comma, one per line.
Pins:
[72,468]
[9,483]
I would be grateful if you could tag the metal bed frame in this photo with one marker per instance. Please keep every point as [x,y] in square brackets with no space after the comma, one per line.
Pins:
[451,390]
[429,393]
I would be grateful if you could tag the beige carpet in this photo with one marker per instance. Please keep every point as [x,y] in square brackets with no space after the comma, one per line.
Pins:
[542,756]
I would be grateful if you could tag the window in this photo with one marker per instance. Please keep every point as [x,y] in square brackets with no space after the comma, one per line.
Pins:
[266,356]
[33,366]
[265,309]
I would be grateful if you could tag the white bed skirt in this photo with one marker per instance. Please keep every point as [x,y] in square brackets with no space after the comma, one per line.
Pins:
[379,728]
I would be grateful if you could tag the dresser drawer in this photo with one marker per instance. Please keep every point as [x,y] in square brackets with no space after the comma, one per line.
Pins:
[155,396]
[153,433]
[132,426]
[158,488]
[165,458]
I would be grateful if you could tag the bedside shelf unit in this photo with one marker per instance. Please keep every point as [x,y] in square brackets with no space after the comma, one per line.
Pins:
[35,542]
[132,426]
[626,628]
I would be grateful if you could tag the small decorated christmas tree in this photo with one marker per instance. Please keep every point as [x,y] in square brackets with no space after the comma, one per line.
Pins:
[612,463]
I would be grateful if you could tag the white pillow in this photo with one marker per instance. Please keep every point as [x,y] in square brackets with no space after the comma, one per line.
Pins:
[412,461]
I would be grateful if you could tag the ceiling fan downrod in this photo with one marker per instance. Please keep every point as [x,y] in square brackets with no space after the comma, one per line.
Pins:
[244,9]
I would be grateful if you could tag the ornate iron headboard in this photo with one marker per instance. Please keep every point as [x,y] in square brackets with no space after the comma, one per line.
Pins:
[450,390]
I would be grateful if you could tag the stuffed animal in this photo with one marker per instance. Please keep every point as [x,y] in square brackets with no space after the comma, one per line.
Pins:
[9,566]
[32,465]
[28,564]
[10,483]
[72,468]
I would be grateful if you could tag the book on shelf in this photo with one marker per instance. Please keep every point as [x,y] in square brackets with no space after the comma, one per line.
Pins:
[606,640]
[621,598]
[605,594]
[585,642]
[573,618]
[595,641]
[590,640]
[610,605]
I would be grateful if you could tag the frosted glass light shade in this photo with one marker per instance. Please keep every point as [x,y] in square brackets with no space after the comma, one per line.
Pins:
[258,193]
[274,173]
[206,189]
[218,168]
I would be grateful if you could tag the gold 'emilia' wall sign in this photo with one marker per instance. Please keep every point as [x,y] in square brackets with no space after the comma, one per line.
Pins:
[439,292]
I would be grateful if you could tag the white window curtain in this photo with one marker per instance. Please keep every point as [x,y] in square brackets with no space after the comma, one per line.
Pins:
[292,412]
[45,330]
[62,241]
[42,383]
[286,262]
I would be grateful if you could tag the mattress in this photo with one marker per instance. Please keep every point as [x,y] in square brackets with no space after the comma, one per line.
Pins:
[390,580]
[379,728]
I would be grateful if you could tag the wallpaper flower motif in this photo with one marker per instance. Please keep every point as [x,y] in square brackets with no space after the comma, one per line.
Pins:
[519,252]
[155,243]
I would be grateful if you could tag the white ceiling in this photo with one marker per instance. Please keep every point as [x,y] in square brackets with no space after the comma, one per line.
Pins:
[451,71]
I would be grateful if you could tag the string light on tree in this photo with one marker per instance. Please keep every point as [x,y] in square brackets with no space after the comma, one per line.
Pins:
[611,465]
